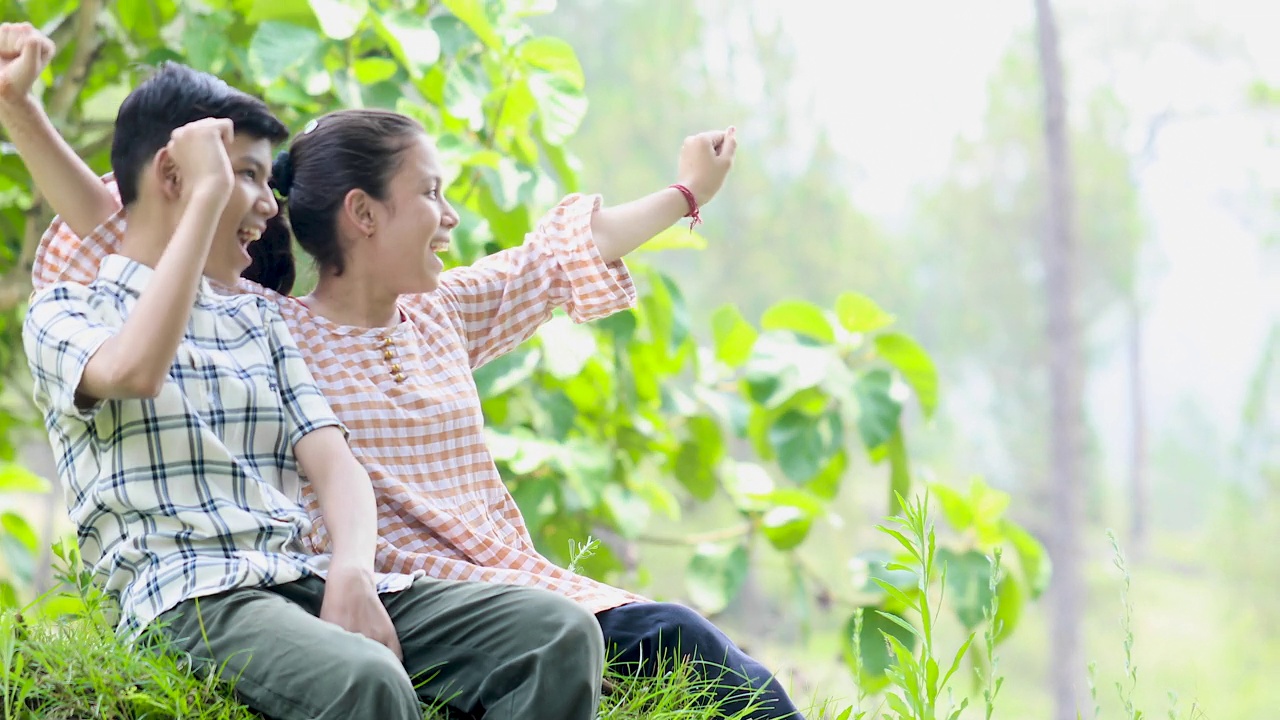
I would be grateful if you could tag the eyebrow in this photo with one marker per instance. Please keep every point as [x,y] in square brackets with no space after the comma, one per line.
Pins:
[254,163]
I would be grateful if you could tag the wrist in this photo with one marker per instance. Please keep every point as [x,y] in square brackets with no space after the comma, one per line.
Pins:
[347,567]
[18,109]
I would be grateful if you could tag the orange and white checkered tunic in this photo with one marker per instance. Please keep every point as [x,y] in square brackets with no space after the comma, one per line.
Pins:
[442,506]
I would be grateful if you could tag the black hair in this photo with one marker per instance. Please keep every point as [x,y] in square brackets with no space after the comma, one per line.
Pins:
[176,95]
[340,152]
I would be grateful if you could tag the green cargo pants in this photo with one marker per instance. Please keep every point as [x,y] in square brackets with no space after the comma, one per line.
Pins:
[487,650]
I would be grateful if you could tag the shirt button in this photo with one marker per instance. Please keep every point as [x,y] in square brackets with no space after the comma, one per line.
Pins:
[387,354]
[399,377]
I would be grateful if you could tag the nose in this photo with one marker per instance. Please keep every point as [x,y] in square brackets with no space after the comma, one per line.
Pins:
[449,219]
[268,205]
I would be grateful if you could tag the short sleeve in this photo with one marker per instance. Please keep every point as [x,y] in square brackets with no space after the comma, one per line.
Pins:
[305,408]
[60,334]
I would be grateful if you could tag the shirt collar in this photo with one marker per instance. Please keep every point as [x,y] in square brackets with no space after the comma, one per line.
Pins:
[134,276]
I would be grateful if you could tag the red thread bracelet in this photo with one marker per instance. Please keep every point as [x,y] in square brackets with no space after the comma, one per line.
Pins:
[693,205]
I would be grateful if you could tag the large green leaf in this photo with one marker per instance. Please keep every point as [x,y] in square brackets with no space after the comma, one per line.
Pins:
[372,70]
[676,237]
[955,507]
[732,334]
[561,106]
[474,15]
[786,526]
[554,56]
[411,39]
[915,365]
[143,19]
[876,658]
[698,457]
[15,478]
[506,371]
[1037,569]
[779,367]
[878,412]
[800,317]
[278,47]
[339,19]
[805,443]
[464,91]
[716,574]
[968,584]
[861,314]
[1013,598]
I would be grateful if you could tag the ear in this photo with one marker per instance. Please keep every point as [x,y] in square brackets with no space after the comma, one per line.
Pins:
[168,178]
[359,208]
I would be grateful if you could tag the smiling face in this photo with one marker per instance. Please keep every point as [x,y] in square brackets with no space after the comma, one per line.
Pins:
[251,204]
[411,225]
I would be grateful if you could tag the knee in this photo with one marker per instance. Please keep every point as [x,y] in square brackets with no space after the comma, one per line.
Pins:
[683,630]
[568,630]
[375,678]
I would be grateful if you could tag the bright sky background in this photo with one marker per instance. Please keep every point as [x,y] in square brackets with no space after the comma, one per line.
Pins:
[1211,296]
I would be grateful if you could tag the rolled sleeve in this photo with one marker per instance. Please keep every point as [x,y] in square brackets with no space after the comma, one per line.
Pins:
[306,410]
[60,334]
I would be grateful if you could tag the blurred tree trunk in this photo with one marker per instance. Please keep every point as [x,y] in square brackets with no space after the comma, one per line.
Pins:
[1066,420]
[1139,481]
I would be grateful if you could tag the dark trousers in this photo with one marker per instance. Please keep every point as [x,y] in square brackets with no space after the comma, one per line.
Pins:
[640,637]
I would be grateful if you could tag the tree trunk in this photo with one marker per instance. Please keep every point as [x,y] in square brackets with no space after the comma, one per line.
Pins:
[1139,491]
[1066,418]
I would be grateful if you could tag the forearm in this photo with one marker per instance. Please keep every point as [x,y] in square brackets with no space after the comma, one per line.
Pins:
[135,362]
[619,229]
[345,496]
[71,187]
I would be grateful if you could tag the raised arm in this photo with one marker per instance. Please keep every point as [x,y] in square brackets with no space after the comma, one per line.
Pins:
[136,360]
[705,160]
[573,258]
[72,189]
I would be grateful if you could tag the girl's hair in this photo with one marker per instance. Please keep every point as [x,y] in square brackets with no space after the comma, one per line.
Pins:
[340,152]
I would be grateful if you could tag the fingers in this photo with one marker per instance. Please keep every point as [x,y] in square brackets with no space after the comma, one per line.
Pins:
[730,144]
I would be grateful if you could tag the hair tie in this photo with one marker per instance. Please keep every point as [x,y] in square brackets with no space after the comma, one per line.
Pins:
[282,173]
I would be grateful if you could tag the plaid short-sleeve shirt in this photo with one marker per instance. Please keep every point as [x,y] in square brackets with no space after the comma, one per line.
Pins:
[196,491]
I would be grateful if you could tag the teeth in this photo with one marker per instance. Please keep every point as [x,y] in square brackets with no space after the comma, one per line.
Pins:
[250,235]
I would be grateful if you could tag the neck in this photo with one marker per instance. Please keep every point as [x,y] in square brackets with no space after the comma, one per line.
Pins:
[351,299]
[144,242]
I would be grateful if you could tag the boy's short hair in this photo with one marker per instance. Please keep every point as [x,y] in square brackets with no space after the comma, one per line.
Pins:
[176,95]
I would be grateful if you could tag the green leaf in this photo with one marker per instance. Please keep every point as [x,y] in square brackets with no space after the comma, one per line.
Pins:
[339,19]
[861,314]
[372,70]
[676,237]
[19,559]
[878,412]
[298,12]
[716,574]
[915,365]
[733,335]
[526,8]
[278,47]
[870,566]
[779,368]
[826,484]
[204,38]
[968,584]
[507,371]
[554,56]
[1037,568]
[143,19]
[698,457]
[786,526]
[15,478]
[561,106]
[464,93]
[411,39]
[1013,599]
[876,658]
[629,511]
[955,507]
[472,14]
[805,444]
[18,528]
[800,317]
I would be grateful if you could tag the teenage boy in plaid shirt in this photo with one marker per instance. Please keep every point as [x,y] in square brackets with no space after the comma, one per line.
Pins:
[184,422]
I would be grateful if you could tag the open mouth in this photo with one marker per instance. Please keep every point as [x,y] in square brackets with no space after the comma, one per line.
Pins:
[439,246]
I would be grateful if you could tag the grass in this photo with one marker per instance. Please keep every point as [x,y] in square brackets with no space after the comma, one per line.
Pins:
[77,668]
